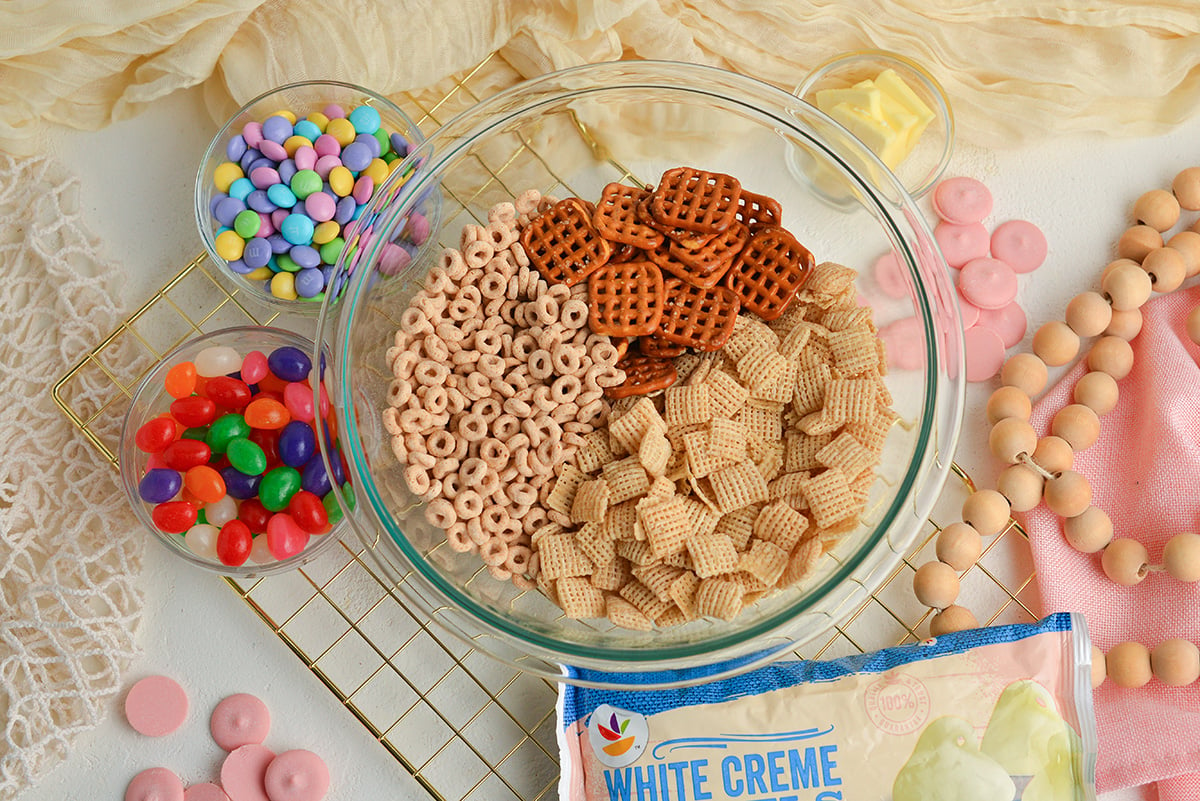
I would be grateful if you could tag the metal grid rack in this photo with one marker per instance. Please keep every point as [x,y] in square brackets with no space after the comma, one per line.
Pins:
[464,725]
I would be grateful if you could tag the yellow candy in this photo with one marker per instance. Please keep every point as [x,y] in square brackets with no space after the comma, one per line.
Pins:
[229,245]
[283,286]
[294,143]
[287,114]
[260,274]
[395,165]
[318,119]
[225,174]
[342,130]
[325,232]
[341,180]
[377,170]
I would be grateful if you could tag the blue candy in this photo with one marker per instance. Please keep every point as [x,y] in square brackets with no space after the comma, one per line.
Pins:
[241,188]
[281,195]
[297,444]
[308,129]
[297,228]
[289,363]
[160,485]
[365,119]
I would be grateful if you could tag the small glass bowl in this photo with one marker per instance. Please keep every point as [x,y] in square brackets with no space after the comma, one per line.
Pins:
[151,400]
[922,167]
[302,99]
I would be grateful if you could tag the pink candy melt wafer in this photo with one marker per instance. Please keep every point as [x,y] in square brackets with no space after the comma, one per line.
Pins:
[155,706]
[962,200]
[984,352]
[961,243]
[1009,322]
[904,343]
[297,776]
[968,311]
[204,792]
[240,720]
[890,276]
[243,773]
[1020,244]
[988,283]
[155,784]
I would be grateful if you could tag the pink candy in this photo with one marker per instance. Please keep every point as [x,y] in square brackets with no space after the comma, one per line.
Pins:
[327,145]
[297,776]
[305,158]
[155,706]
[254,367]
[239,720]
[984,351]
[297,397]
[961,243]
[243,771]
[1020,244]
[320,206]
[284,537]
[155,784]
[988,283]
[962,200]
[325,165]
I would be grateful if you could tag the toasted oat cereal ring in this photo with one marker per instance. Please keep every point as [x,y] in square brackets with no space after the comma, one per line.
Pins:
[566,389]
[495,453]
[643,375]
[494,518]
[706,265]
[491,365]
[472,427]
[523,345]
[440,444]
[441,513]
[415,420]
[452,485]
[695,200]
[562,244]
[547,310]
[500,235]
[510,533]
[617,221]
[446,466]
[654,345]
[626,299]
[457,539]
[487,408]
[414,321]
[568,359]
[479,252]
[769,271]
[421,459]
[435,400]
[430,373]
[698,318]
[542,399]
[493,285]
[573,314]
[488,342]
[452,262]
[476,532]
[468,504]
[399,391]
[541,364]
[756,211]
[417,478]
[604,353]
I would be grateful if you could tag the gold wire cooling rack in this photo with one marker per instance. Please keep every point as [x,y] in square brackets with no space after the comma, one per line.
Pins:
[463,724]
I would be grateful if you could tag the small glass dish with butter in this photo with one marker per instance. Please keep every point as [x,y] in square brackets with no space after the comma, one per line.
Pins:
[893,105]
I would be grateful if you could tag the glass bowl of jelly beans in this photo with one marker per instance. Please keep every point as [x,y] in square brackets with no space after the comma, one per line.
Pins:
[282,183]
[219,453]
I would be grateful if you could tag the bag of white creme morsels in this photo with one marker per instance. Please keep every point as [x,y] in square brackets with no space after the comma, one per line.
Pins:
[995,714]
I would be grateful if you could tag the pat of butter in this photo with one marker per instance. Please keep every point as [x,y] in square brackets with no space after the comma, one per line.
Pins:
[887,142]
[867,99]
[884,113]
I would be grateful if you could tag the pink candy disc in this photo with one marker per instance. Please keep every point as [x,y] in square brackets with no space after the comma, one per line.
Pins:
[890,276]
[155,784]
[988,283]
[204,792]
[243,773]
[393,259]
[320,206]
[1009,322]
[297,776]
[272,150]
[305,158]
[240,720]
[326,163]
[962,200]
[968,311]
[984,352]
[155,706]
[285,538]
[327,145]
[1019,244]
[961,243]
[904,343]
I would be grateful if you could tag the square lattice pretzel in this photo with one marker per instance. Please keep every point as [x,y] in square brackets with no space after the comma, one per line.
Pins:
[562,244]
[769,271]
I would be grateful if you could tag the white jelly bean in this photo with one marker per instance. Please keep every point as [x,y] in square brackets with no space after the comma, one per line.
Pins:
[217,360]
[222,511]
[260,554]
[201,539]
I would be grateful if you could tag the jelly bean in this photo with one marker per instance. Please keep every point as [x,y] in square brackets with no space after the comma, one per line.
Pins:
[284,537]
[200,433]
[155,461]
[314,478]
[254,367]
[221,512]
[228,392]
[217,360]
[298,398]
[194,411]
[260,554]
[201,539]
[308,512]
[268,440]
[297,444]
[174,517]
[225,428]
[290,363]
[185,453]
[234,542]
[155,435]
[277,487]
[254,515]
[333,510]
[160,485]
[204,483]
[348,497]
[246,457]
[225,174]
[238,484]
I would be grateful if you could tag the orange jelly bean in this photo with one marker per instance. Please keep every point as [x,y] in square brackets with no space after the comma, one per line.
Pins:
[272,383]
[267,413]
[181,380]
[204,483]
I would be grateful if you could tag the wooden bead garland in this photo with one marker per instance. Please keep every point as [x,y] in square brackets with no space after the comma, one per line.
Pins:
[1040,469]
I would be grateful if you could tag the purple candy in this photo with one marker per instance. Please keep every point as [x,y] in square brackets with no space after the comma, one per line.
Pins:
[276,128]
[257,253]
[287,169]
[345,210]
[240,485]
[399,144]
[297,442]
[214,200]
[249,157]
[240,267]
[305,255]
[273,150]
[356,156]
[160,485]
[235,147]
[261,161]
[371,142]
[314,479]
[228,209]
[260,202]
[309,282]
[278,244]
[289,363]
[262,177]
[418,228]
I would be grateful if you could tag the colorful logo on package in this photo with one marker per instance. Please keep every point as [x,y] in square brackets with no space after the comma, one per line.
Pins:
[618,736]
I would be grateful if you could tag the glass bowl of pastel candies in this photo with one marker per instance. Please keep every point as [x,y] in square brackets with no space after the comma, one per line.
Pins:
[219,453]
[282,183]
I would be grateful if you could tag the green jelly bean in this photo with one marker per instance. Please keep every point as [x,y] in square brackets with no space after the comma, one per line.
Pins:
[348,496]
[201,517]
[225,428]
[246,456]
[332,249]
[277,488]
[199,432]
[391,156]
[332,508]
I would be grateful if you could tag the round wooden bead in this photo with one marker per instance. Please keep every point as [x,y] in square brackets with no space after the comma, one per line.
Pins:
[935,584]
[1186,188]
[1088,314]
[1054,454]
[1175,662]
[1124,561]
[1166,269]
[1137,241]
[959,546]
[1125,324]
[1090,531]
[1008,402]
[1011,437]
[1112,265]
[1181,557]
[1188,245]
[1098,670]
[1022,486]
[1111,355]
[1126,287]
[1068,494]
[987,511]
[1097,391]
[1078,425]
[1026,372]
[1055,343]
[1193,325]
[951,619]
[1157,208]
[1128,664]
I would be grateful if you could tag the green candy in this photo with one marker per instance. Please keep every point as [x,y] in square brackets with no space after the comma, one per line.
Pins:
[245,456]
[348,496]
[247,223]
[332,508]
[201,517]
[286,263]
[277,488]
[332,249]
[304,183]
[225,428]
[385,141]
[199,432]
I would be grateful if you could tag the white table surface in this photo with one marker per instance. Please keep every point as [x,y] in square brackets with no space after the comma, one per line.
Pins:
[136,188]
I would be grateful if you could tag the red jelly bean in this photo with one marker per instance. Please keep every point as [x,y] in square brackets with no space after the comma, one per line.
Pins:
[268,440]
[156,435]
[272,383]
[180,380]
[254,515]
[228,392]
[308,512]
[183,454]
[284,537]
[174,517]
[205,483]
[267,413]
[194,411]
[234,542]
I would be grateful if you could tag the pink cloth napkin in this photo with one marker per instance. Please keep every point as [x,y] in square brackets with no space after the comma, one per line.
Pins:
[1145,473]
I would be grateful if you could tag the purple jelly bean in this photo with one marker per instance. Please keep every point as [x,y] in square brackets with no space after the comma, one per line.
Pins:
[356,156]
[276,128]
[289,363]
[399,144]
[305,255]
[256,253]
[297,444]
[213,201]
[287,169]
[335,462]
[345,210]
[228,209]
[238,484]
[309,282]
[314,478]
[278,244]
[371,142]
[260,202]
[235,147]
[160,485]
[273,150]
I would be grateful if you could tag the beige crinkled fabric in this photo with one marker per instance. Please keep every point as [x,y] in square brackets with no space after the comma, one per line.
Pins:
[1015,71]
[70,552]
